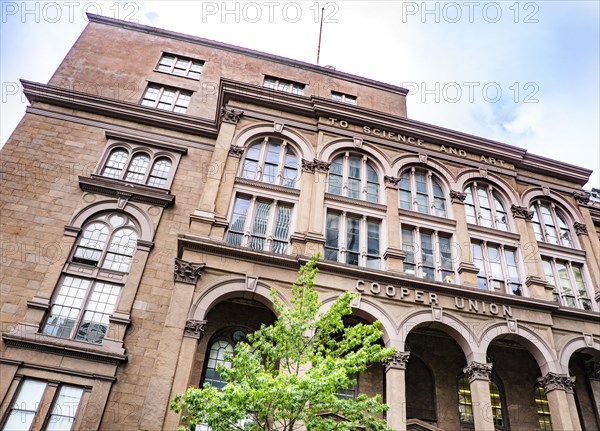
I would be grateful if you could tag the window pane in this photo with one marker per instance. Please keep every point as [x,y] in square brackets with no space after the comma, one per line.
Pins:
[115,164]
[96,317]
[332,237]
[66,307]
[91,244]
[238,221]
[64,409]
[137,168]
[160,173]
[352,240]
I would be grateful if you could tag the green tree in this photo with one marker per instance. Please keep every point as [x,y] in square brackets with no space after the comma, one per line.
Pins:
[286,376]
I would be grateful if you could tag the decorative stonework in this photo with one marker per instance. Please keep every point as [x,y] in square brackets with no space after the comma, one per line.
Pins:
[187,272]
[478,371]
[194,328]
[391,182]
[457,197]
[561,382]
[236,151]
[397,361]
[521,212]
[315,165]
[580,228]
[229,115]
[582,198]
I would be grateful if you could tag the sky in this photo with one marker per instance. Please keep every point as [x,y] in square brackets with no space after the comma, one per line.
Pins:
[523,73]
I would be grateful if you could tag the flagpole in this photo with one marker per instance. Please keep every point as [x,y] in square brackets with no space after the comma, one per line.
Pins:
[320,33]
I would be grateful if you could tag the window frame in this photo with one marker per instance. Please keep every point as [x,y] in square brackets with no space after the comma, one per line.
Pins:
[557,213]
[82,309]
[437,252]
[366,162]
[295,87]
[262,160]
[486,272]
[174,104]
[492,195]
[558,288]
[191,61]
[338,96]
[544,415]
[430,176]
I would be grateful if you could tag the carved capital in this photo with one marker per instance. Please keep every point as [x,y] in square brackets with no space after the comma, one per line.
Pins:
[478,371]
[230,115]
[194,328]
[457,197]
[521,212]
[580,228]
[391,182]
[397,361]
[315,166]
[187,272]
[582,198]
[561,382]
[308,166]
[236,151]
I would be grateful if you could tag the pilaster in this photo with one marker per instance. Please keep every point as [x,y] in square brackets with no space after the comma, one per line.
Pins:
[395,392]
[559,391]
[466,270]
[479,381]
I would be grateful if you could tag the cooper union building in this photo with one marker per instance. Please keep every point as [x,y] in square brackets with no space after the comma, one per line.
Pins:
[144,225]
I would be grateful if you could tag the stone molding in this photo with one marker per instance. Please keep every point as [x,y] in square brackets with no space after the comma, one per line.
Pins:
[230,115]
[315,166]
[580,228]
[561,382]
[397,361]
[236,151]
[194,328]
[521,212]
[125,192]
[582,198]
[457,197]
[478,371]
[391,182]
[187,272]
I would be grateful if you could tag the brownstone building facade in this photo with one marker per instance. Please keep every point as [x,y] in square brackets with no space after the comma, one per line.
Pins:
[151,201]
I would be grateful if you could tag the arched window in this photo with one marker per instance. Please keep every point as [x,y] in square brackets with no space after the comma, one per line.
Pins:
[136,169]
[483,206]
[497,406]
[354,176]
[420,191]
[549,224]
[107,241]
[223,343]
[271,161]
[465,403]
[543,410]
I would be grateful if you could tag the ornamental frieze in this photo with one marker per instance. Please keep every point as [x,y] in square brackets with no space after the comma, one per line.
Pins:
[315,166]
[478,371]
[187,272]
[521,212]
[397,361]
[561,382]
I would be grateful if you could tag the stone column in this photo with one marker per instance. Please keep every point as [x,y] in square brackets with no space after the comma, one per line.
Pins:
[466,270]
[156,402]
[593,371]
[395,390]
[581,230]
[194,330]
[479,381]
[393,256]
[561,402]
[217,174]
[304,209]
[315,237]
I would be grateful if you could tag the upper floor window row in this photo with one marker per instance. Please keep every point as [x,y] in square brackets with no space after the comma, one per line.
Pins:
[181,66]
[353,239]
[271,161]
[166,98]
[345,98]
[484,207]
[549,224]
[138,167]
[354,176]
[420,191]
[284,85]
[498,268]
[568,283]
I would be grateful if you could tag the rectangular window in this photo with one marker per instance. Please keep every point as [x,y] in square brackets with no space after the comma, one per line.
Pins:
[345,98]
[181,66]
[566,278]
[64,409]
[166,98]
[283,85]
[498,269]
[79,305]
[260,224]
[348,236]
[25,406]
[428,254]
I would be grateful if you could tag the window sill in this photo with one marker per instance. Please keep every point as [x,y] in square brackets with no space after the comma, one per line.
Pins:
[27,336]
[119,188]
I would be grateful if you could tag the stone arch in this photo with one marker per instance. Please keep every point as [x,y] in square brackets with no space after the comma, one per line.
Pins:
[443,173]
[570,210]
[370,311]
[502,186]
[140,216]
[575,344]
[544,355]
[447,323]
[231,288]
[339,145]
[249,134]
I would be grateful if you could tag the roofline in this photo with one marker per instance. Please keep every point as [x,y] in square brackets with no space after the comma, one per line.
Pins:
[246,51]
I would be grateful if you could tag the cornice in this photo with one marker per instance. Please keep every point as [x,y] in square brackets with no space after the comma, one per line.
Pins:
[246,51]
[493,235]
[354,202]
[106,106]
[135,192]
[267,186]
